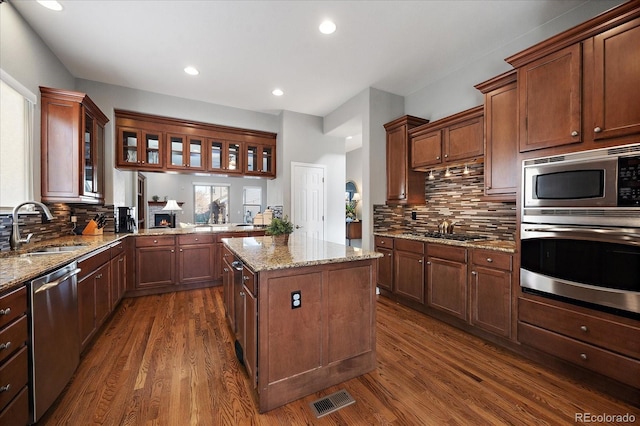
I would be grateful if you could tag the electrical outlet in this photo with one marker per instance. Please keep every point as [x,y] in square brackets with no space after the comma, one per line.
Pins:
[296,299]
[414,215]
[74,219]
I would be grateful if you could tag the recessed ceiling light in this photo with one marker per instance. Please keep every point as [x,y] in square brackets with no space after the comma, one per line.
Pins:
[327,27]
[51,4]
[277,92]
[191,71]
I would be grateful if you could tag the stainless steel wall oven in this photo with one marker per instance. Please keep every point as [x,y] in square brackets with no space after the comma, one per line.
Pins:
[580,228]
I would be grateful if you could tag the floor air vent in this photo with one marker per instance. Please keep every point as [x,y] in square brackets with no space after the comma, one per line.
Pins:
[331,403]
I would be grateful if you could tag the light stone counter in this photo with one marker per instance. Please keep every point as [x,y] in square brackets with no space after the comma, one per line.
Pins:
[262,254]
[497,245]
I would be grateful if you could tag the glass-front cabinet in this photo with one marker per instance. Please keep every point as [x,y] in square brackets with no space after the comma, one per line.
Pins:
[259,160]
[185,152]
[224,156]
[140,149]
[93,172]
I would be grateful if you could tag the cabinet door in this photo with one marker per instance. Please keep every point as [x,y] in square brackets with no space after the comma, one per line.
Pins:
[129,141]
[616,85]
[155,266]
[447,286]
[185,152]
[385,268]
[409,275]
[90,158]
[86,309]
[259,160]
[227,288]
[224,156]
[397,164]
[491,300]
[464,140]
[426,150]
[118,278]
[196,263]
[250,342]
[501,151]
[550,99]
[151,153]
[102,283]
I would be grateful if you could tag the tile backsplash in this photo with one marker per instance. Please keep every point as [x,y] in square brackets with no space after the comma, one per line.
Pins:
[456,199]
[61,224]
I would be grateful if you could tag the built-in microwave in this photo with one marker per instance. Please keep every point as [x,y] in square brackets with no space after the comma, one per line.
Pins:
[598,183]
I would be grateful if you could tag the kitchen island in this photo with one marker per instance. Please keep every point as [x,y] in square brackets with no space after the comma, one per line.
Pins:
[303,314]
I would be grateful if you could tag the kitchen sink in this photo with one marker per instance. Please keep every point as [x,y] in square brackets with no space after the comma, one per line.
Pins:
[54,250]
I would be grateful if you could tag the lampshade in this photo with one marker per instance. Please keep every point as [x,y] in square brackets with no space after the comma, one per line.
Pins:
[172,205]
[356,196]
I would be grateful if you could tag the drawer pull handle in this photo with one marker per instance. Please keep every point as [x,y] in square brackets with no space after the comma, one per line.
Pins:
[428,263]
[6,345]
[490,260]
[583,357]
[6,311]
[474,273]
[242,294]
[5,388]
[196,239]
[98,276]
[226,269]
[584,328]
[574,133]
[419,260]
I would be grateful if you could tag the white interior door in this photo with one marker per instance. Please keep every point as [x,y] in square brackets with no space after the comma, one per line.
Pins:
[307,199]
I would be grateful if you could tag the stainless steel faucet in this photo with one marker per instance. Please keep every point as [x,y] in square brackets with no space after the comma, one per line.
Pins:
[16,241]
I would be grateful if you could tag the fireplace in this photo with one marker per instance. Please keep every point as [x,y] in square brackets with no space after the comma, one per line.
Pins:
[163,219]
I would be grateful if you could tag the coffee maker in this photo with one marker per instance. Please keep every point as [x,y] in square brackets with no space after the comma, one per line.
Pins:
[125,221]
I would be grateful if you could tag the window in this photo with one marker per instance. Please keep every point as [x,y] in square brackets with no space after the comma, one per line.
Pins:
[16,139]
[252,202]
[211,203]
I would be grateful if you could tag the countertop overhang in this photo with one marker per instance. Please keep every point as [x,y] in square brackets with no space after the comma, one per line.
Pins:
[263,254]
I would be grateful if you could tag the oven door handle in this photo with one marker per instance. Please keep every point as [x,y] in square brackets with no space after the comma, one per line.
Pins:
[627,236]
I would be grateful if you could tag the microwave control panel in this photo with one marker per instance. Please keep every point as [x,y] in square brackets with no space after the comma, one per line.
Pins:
[629,181]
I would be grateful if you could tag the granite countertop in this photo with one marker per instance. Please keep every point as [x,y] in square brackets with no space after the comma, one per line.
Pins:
[19,267]
[497,245]
[261,254]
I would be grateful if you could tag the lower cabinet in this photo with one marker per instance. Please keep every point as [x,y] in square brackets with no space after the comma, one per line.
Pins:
[408,274]
[249,332]
[490,288]
[384,245]
[155,261]
[447,279]
[94,297]
[196,258]
[118,273]
[228,287]
[14,368]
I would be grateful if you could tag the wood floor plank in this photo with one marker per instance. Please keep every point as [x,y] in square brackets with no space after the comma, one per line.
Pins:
[169,360]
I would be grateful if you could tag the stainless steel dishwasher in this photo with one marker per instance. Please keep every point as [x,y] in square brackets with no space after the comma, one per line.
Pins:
[55,340]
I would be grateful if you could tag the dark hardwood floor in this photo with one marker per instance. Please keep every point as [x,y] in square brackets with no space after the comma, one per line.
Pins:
[169,360]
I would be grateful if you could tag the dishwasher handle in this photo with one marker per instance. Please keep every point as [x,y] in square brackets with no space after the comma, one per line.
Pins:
[54,283]
[237,265]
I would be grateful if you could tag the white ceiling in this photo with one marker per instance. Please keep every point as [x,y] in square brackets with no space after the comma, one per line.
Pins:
[244,49]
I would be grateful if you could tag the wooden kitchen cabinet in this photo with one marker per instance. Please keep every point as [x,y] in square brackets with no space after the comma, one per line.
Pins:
[118,273]
[578,90]
[501,166]
[384,245]
[259,160]
[185,152]
[490,291]
[451,140]
[155,261]
[447,279]
[408,276]
[94,297]
[249,332]
[224,156]
[14,368]
[404,185]
[228,286]
[140,149]
[72,146]
[196,258]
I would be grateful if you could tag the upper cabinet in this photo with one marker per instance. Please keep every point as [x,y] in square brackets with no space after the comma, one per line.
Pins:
[404,186]
[453,139]
[72,147]
[154,143]
[579,90]
[500,136]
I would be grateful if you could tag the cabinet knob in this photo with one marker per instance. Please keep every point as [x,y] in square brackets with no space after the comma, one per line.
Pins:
[488,187]
[574,133]
[142,161]
[242,294]
[180,250]
[446,156]
[5,345]
[597,130]
[381,242]
[120,260]
[583,357]
[245,278]
[438,157]
[196,239]
[428,263]
[490,260]
[5,388]
[98,276]
[5,311]
[226,269]
[584,328]
[419,260]
[474,273]
[155,241]
[389,254]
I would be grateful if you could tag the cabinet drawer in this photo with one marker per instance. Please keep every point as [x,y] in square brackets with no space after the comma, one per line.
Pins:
[456,254]
[13,373]
[155,241]
[17,412]
[618,367]
[13,305]
[12,338]
[416,247]
[195,239]
[90,264]
[611,335]
[384,242]
[492,259]
[249,281]
[116,249]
